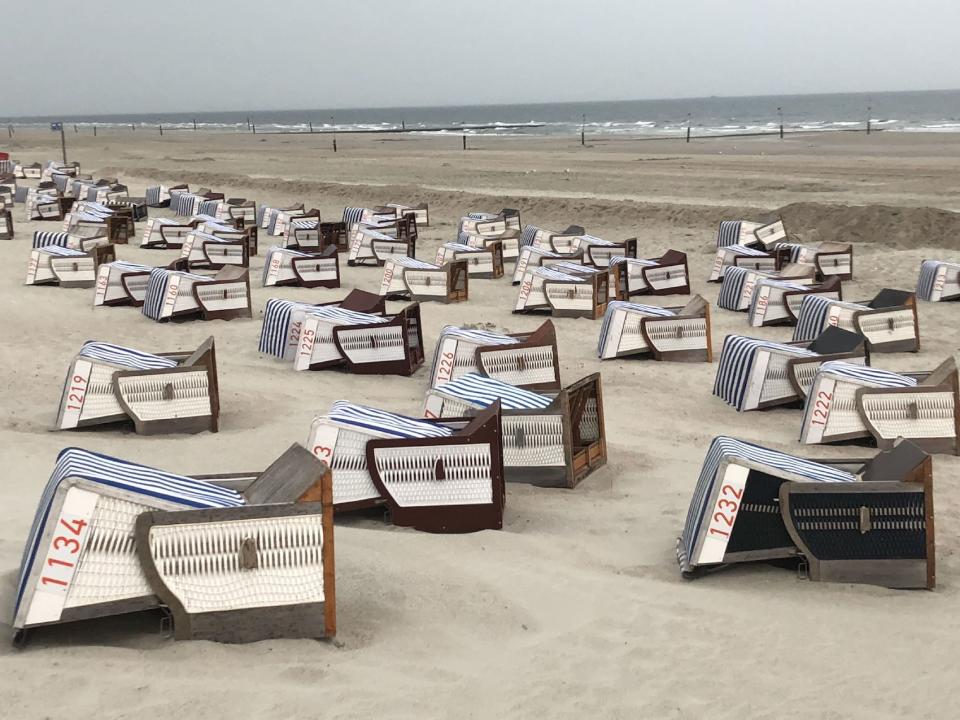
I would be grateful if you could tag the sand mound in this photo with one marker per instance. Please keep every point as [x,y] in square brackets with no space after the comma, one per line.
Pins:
[898,227]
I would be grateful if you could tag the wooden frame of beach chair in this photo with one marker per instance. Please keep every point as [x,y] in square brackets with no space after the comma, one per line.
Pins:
[284,266]
[334,234]
[121,283]
[118,227]
[6,225]
[777,302]
[392,347]
[483,263]
[213,252]
[406,278]
[565,290]
[110,560]
[829,259]
[889,321]
[555,446]
[163,393]
[68,268]
[177,294]
[842,407]
[938,281]
[745,509]
[879,531]
[679,334]
[527,360]
[668,275]
[423,481]
[369,244]
[598,254]
[756,374]
[745,257]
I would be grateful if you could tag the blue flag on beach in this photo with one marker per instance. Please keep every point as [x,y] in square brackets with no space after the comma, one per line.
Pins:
[56,126]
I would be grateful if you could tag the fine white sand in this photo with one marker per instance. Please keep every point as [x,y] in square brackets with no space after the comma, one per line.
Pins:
[576,609]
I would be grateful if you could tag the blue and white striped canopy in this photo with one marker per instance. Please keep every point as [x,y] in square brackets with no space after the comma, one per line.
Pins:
[736,364]
[276,324]
[551,274]
[388,423]
[622,306]
[43,238]
[617,259]
[460,247]
[527,235]
[928,276]
[61,251]
[412,263]
[157,289]
[812,317]
[480,337]
[481,392]
[115,477]
[745,251]
[725,450]
[124,356]
[729,233]
[731,287]
[869,376]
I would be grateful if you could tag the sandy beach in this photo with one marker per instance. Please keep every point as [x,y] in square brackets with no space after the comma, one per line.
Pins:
[576,609]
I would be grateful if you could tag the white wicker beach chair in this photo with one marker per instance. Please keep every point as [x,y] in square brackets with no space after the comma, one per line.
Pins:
[205,250]
[431,475]
[665,275]
[736,232]
[938,281]
[368,244]
[744,257]
[889,322]
[828,259]
[550,440]
[482,262]
[81,240]
[679,333]
[484,224]
[121,283]
[420,212]
[34,171]
[526,360]
[355,333]
[158,196]
[411,279]
[600,253]
[6,224]
[738,284]
[44,204]
[531,258]
[851,402]
[562,242]
[564,290]
[169,393]
[777,302]
[233,565]
[184,295]
[284,266]
[754,374]
[56,265]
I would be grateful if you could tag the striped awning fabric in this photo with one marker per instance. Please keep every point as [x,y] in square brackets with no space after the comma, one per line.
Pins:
[61,251]
[868,376]
[480,392]
[928,276]
[724,450]
[412,263]
[157,288]
[381,421]
[617,259]
[813,314]
[729,233]
[124,356]
[736,364]
[616,306]
[731,287]
[42,239]
[118,476]
[276,323]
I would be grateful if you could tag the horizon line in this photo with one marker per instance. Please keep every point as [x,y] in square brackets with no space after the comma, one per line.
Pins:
[866,93]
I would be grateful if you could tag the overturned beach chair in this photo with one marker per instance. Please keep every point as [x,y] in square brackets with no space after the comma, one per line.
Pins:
[485,262]
[44,204]
[92,219]
[736,232]
[738,284]
[754,374]
[176,294]
[564,290]
[679,333]
[828,259]
[186,204]
[121,283]
[549,440]
[777,302]
[889,322]
[56,265]
[284,266]
[562,242]
[743,256]
[421,212]
[412,279]
[444,477]
[82,242]
[599,252]
[848,520]
[168,393]
[239,211]
[355,333]
[6,225]
[665,275]
[526,360]
[851,402]
[234,558]
[368,244]
[205,250]
[166,233]
[484,224]
[531,257]
[268,218]
[939,281]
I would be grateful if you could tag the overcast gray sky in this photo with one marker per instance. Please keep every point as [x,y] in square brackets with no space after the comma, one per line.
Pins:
[114,56]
